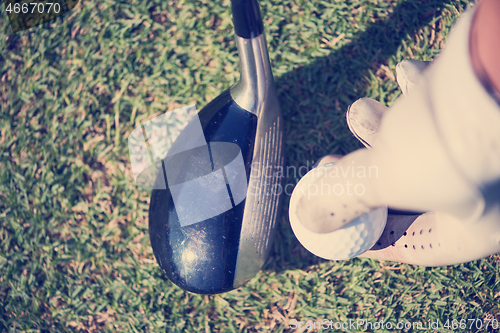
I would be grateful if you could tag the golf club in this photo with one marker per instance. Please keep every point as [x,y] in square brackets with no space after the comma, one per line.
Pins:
[211,229]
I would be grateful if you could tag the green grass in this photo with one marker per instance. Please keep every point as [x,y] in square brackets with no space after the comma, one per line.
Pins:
[74,245]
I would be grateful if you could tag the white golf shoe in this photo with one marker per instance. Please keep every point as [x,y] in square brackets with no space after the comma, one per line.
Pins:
[437,149]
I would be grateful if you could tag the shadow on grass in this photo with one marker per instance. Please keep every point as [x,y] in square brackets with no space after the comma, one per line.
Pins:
[314,95]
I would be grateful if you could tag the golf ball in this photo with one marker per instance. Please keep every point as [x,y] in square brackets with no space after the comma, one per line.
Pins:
[345,243]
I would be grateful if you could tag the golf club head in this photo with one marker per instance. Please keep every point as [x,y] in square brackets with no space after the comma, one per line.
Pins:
[213,224]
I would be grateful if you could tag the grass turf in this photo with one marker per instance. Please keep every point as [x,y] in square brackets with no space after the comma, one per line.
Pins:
[74,247]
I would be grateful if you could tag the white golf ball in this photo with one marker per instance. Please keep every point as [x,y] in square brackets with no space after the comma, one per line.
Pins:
[345,243]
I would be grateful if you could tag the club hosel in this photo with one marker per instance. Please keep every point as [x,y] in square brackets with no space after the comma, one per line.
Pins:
[255,88]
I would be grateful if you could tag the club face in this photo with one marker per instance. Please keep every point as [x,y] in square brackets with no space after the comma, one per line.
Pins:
[212,228]
[256,93]
[224,242]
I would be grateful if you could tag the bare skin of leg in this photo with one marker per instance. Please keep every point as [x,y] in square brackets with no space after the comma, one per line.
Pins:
[485,47]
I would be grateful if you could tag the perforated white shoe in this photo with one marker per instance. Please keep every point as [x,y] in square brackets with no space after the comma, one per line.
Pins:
[437,149]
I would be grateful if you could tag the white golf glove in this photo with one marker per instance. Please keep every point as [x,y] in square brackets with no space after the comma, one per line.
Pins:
[437,150]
